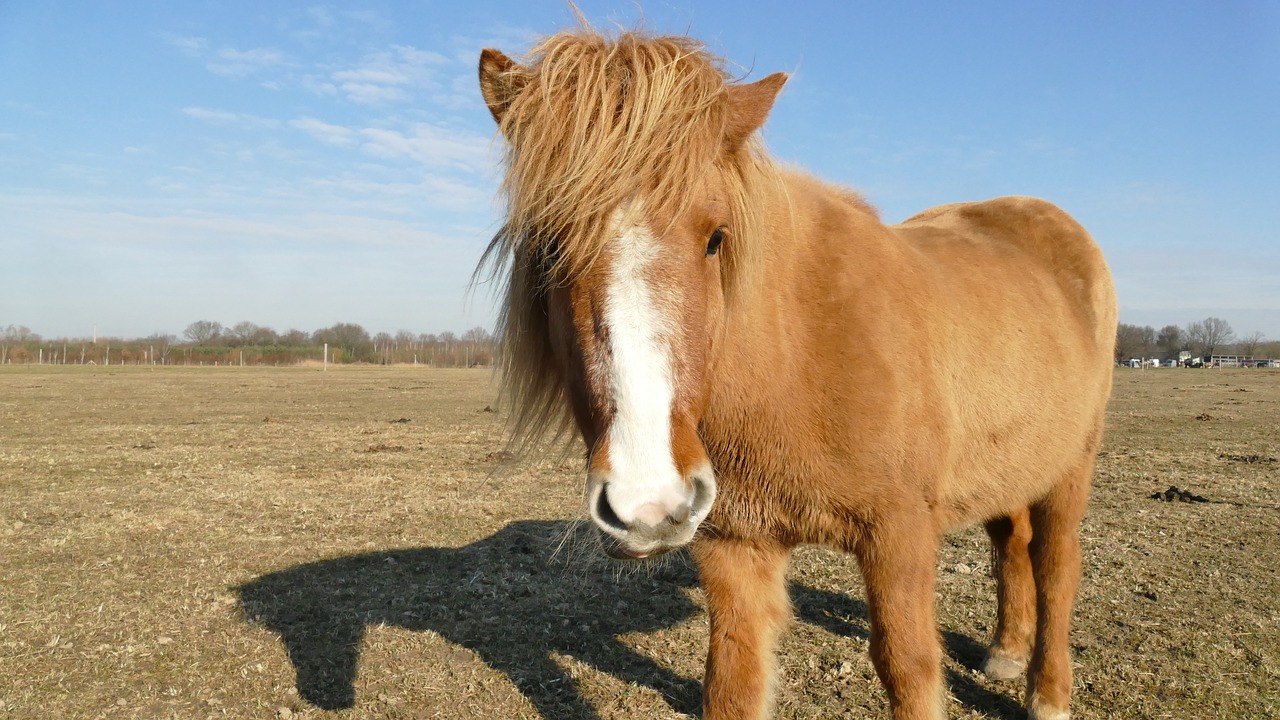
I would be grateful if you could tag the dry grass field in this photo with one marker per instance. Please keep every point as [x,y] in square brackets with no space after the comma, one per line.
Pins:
[239,542]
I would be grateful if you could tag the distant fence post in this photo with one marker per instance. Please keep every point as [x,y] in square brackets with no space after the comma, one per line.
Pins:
[326,358]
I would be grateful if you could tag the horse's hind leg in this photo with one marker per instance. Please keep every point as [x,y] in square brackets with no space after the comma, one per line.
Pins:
[1010,649]
[1055,560]
[898,560]
[746,590]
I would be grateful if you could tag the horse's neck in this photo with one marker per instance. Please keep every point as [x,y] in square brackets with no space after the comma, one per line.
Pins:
[819,239]
[771,336]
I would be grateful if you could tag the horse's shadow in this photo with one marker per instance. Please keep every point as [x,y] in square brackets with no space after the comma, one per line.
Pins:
[508,598]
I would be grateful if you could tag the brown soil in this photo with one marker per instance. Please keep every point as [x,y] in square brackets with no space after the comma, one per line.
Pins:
[237,542]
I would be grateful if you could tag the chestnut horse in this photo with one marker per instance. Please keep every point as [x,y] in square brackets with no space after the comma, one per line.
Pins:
[754,361]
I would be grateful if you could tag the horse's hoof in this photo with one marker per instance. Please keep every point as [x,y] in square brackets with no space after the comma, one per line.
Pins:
[1001,666]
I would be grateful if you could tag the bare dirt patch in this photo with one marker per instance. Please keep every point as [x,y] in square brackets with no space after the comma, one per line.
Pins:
[237,542]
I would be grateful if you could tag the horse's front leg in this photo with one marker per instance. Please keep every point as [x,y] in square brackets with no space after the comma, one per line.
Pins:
[898,559]
[745,585]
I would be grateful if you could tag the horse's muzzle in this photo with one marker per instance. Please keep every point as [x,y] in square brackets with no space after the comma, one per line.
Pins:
[666,523]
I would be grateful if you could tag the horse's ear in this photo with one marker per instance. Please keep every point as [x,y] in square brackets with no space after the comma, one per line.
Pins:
[500,81]
[749,106]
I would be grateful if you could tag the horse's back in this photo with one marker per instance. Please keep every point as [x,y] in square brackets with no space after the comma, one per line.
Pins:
[1016,239]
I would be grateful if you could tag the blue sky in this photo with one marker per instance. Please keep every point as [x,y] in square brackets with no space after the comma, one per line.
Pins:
[300,164]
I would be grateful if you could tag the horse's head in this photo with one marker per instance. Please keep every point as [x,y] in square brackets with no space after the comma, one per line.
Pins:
[628,167]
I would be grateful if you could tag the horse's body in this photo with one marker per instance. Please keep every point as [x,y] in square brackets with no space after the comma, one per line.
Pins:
[823,379]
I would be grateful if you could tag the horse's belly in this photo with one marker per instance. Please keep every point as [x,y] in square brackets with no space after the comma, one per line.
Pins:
[1000,467]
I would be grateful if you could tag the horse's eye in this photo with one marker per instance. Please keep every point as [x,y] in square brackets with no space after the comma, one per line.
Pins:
[713,245]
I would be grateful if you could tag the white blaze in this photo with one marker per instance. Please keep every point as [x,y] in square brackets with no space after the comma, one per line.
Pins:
[643,481]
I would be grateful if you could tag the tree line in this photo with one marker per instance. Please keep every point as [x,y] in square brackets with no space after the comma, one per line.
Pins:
[207,342]
[1203,338]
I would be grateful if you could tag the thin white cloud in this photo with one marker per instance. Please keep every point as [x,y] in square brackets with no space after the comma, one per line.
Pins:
[430,145]
[223,117]
[213,116]
[365,93]
[408,198]
[326,133]
[190,46]
[374,75]
[318,86]
[455,195]
[415,57]
[460,93]
[390,76]
[396,75]
[228,61]
[239,63]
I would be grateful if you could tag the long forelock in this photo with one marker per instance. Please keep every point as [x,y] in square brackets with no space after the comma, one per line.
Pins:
[597,121]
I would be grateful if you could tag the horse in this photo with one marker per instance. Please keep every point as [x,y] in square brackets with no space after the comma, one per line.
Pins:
[754,361]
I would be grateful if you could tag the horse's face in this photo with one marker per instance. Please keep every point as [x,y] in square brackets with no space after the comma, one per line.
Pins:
[634,333]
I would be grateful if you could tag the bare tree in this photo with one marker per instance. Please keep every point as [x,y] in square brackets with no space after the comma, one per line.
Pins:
[264,337]
[242,333]
[1249,343]
[161,342]
[1134,341]
[351,338]
[382,343]
[20,334]
[1194,333]
[202,332]
[294,338]
[1207,335]
[1170,341]
[1217,332]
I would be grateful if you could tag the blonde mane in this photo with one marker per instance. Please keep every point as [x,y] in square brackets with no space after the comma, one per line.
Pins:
[597,120]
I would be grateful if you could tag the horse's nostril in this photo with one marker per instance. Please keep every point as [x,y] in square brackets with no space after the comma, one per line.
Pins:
[605,513]
[680,515]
